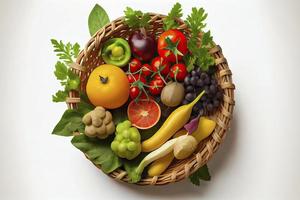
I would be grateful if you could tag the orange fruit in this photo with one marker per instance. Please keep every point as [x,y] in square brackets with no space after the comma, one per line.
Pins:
[108,86]
[143,114]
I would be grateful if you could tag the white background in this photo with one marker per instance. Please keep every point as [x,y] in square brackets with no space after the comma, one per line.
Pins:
[260,157]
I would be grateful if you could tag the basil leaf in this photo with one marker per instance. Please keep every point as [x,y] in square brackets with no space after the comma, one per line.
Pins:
[97,19]
[98,151]
[69,123]
[202,173]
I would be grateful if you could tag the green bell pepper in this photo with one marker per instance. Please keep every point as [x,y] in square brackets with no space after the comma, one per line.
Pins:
[116,51]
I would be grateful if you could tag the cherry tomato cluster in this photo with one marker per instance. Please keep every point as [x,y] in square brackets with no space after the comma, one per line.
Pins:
[152,77]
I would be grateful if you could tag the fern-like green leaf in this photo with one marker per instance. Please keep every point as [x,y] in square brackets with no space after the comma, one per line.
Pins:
[175,13]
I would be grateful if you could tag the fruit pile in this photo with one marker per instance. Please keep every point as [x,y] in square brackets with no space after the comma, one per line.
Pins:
[162,83]
[147,74]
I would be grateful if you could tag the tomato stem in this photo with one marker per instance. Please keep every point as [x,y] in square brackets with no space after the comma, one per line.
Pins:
[175,73]
[103,80]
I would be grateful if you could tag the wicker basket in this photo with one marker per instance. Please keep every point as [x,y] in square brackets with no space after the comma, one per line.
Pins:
[89,59]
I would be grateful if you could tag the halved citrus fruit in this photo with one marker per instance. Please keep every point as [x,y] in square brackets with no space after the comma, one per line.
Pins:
[143,114]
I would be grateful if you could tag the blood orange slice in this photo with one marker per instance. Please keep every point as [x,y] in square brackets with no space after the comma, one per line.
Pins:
[143,114]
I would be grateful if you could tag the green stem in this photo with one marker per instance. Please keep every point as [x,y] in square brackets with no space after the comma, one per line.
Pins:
[162,78]
[146,93]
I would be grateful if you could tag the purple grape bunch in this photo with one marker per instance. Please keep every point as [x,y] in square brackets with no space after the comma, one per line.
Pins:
[196,82]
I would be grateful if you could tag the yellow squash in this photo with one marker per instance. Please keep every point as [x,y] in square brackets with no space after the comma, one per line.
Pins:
[177,119]
[160,165]
[205,128]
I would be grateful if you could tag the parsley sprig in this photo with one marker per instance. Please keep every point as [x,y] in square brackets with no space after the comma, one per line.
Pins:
[136,18]
[67,53]
[170,21]
[199,54]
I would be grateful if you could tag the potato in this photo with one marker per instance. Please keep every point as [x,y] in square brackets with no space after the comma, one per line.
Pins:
[110,128]
[90,131]
[98,123]
[108,118]
[87,119]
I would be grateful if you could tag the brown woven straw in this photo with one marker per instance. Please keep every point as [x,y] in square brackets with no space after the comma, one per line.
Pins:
[89,59]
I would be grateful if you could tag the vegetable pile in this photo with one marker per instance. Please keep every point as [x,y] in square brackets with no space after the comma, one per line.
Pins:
[150,102]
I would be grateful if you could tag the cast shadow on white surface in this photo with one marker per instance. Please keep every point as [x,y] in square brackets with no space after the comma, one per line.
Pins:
[185,188]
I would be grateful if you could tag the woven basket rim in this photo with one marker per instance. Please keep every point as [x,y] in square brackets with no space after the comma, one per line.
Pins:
[222,118]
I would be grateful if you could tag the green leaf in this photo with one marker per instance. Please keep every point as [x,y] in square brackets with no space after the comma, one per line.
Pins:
[62,51]
[72,75]
[201,174]
[204,59]
[136,18]
[66,53]
[207,39]
[189,61]
[98,151]
[73,81]
[195,20]
[84,106]
[175,13]
[76,49]
[69,123]
[61,71]
[131,168]
[60,96]
[97,19]
[119,115]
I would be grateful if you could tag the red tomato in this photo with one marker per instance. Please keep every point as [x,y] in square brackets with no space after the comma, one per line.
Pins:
[160,64]
[143,95]
[156,86]
[134,92]
[179,71]
[135,65]
[156,77]
[176,37]
[135,77]
[146,69]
